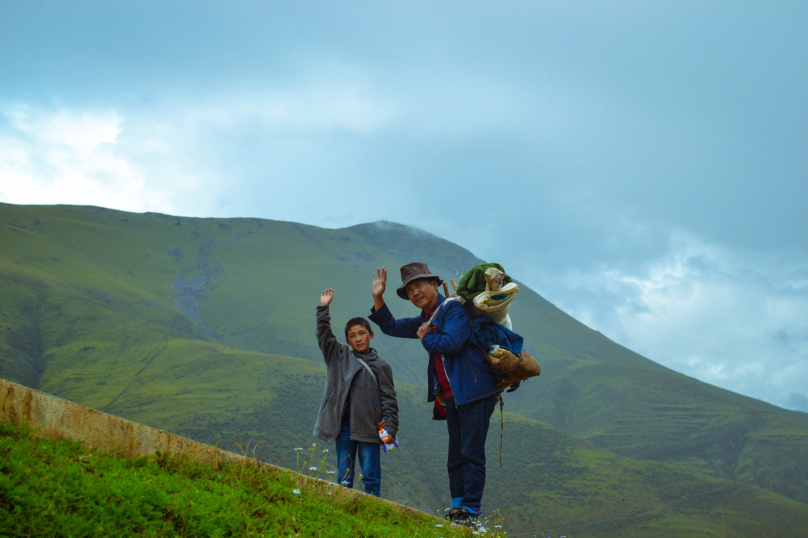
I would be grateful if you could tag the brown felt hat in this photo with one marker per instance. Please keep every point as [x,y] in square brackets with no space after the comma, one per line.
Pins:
[414,271]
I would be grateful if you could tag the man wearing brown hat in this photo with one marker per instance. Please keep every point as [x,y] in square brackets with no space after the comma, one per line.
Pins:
[461,382]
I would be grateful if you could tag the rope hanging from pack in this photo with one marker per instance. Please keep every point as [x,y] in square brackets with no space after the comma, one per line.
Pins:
[501,427]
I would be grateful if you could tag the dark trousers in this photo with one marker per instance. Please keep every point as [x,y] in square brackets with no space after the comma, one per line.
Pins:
[468,428]
[369,461]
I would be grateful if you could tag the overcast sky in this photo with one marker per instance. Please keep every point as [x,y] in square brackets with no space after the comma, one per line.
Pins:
[643,165]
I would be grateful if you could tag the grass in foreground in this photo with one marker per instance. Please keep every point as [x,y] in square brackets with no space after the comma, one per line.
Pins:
[60,489]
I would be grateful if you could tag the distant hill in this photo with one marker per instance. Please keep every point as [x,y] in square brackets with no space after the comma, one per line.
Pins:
[190,325]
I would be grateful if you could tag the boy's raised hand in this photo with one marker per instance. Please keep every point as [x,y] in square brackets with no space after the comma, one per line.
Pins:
[326,297]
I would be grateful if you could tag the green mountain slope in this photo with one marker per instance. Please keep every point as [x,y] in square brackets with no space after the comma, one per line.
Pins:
[550,482]
[139,315]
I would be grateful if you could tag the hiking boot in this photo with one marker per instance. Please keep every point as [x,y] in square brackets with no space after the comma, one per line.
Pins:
[451,513]
[461,516]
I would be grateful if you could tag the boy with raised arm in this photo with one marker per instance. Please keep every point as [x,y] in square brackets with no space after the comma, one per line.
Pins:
[358,396]
[460,381]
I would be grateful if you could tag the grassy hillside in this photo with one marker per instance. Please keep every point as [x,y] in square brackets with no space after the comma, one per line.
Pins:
[60,489]
[550,482]
[184,323]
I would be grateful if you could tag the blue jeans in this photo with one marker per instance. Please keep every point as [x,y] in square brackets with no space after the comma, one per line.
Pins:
[369,461]
[468,428]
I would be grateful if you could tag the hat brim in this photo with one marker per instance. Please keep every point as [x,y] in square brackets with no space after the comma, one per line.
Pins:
[401,289]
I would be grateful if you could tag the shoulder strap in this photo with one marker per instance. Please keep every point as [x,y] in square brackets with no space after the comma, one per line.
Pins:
[363,363]
[444,303]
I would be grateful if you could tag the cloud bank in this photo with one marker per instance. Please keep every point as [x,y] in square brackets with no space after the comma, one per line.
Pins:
[641,166]
[707,312]
[67,157]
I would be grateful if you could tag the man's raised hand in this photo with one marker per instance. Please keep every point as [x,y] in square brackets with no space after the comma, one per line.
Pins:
[326,297]
[379,283]
[378,287]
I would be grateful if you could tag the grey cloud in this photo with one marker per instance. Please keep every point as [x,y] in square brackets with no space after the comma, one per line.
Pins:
[570,141]
[797,402]
[674,116]
[703,312]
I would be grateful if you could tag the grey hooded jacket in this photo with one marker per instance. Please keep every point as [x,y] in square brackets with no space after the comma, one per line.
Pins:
[371,403]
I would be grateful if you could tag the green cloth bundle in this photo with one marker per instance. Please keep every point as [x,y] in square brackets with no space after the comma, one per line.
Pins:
[473,282]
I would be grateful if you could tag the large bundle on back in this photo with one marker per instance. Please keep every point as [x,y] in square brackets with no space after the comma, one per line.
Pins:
[487,293]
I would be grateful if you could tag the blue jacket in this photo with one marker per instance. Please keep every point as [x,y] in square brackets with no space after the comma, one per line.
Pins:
[466,367]
[491,333]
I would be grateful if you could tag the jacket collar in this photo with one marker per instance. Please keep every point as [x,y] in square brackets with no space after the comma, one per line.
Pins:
[440,300]
[369,355]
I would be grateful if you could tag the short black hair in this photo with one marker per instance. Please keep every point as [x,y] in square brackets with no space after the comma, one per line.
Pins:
[357,321]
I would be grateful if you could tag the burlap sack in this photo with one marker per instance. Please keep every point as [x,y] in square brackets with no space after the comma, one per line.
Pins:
[510,368]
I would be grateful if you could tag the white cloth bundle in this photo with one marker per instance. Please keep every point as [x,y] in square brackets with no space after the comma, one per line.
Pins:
[497,308]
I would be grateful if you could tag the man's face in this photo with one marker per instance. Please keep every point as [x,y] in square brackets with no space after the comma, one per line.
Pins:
[423,293]
[359,338]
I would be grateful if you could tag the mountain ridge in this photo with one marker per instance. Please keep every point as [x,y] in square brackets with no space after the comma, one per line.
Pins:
[89,311]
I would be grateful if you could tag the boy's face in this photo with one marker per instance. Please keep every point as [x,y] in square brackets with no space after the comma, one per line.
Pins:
[359,338]
[423,293]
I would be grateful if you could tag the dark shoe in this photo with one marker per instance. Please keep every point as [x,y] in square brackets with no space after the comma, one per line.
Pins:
[451,513]
[463,517]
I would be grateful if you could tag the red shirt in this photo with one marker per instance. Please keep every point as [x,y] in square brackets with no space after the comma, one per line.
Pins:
[440,372]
